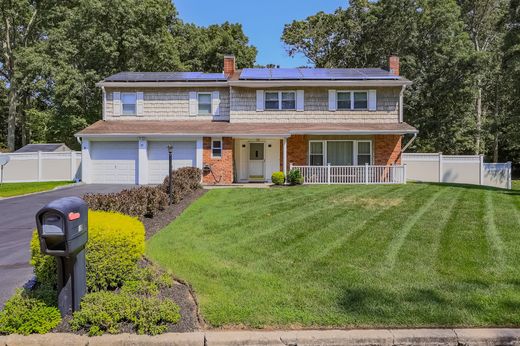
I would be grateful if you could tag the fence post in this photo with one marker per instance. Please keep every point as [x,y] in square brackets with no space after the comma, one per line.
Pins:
[440,167]
[366,173]
[509,178]
[72,165]
[290,166]
[328,173]
[39,166]
[481,169]
[404,173]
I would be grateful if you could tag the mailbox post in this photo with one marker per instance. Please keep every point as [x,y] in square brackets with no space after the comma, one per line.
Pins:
[63,232]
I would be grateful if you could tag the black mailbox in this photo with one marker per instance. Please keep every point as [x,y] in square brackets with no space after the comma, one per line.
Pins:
[63,232]
[62,226]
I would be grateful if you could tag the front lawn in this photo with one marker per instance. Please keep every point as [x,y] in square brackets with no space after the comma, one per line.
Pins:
[365,256]
[16,189]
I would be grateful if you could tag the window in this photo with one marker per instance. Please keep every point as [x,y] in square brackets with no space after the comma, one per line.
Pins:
[361,100]
[216,148]
[340,153]
[204,101]
[316,156]
[280,100]
[271,100]
[352,100]
[344,100]
[129,102]
[364,154]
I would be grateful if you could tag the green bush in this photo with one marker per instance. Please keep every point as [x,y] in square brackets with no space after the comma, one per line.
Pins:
[110,311]
[140,201]
[185,180]
[115,244]
[294,177]
[278,178]
[25,314]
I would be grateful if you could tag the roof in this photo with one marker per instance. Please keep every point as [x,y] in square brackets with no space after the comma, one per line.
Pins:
[317,74]
[165,77]
[219,128]
[45,147]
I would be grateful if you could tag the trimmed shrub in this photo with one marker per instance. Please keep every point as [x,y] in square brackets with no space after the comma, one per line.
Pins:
[294,177]
[185,180]
[24,314]
[110,311]
[140,201]
[116,243]
[278,178]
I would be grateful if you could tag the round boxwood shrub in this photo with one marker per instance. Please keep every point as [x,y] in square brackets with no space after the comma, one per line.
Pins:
[25,314]
[278,178]
[115,244]
[294,177]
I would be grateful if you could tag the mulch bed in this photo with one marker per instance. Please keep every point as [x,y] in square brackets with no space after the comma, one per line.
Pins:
[163,218]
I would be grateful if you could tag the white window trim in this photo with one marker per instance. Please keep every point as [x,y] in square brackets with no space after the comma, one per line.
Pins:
[210,94]
[123,104]
[354,148]
[352,100]
[280,100]
[213,139]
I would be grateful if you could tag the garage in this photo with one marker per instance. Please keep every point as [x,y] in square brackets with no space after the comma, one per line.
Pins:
[184,155]
[113,162]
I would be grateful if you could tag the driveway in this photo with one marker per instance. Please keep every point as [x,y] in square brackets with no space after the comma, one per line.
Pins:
[17,221]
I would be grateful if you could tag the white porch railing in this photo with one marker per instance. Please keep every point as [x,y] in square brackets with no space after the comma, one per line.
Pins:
[367,174]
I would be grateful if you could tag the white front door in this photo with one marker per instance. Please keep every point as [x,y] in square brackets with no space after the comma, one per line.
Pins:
[256,161]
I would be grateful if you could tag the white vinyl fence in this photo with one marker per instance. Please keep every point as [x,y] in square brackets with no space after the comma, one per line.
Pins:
[352,174]
[461,169]
[42,166]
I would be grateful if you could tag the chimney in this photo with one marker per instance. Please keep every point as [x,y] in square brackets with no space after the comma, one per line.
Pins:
[229,65]
[393,65]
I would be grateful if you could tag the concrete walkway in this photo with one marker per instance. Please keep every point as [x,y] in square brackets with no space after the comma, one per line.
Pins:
[455,337]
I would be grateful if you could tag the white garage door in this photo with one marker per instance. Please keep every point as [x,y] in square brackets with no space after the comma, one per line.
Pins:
[184,155]
[113,162]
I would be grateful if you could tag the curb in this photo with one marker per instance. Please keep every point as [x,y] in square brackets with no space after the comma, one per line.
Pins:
[40,192]
[391,337]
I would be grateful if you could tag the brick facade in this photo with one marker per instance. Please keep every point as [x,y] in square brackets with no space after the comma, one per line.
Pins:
[387,149]
[222,168]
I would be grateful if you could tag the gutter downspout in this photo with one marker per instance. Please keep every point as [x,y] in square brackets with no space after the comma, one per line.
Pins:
[104,102]
[401,101]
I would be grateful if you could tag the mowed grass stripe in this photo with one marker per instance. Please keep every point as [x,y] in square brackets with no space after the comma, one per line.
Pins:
[495,241]
[400,236]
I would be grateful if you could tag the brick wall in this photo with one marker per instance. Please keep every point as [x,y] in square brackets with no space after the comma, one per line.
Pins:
[222,168]
[387,149]
[168,104]
[243,108]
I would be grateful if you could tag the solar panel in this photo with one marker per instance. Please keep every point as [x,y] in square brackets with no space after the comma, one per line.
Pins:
[165,76]
[315,74]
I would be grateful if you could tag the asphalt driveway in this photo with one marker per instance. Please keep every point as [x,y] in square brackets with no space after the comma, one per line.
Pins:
[17,221]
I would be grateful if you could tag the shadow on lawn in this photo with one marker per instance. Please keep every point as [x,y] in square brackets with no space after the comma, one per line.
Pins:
[473,187]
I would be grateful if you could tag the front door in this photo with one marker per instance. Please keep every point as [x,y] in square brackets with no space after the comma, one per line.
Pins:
[256,161]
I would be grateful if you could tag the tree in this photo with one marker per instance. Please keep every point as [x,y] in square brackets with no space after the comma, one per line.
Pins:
[435,52]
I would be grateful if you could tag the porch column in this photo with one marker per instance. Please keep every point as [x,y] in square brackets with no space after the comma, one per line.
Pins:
[285,156]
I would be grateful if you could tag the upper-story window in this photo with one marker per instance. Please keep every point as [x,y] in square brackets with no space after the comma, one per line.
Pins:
[280,100]
[129,103]
[204,102]
[352,100]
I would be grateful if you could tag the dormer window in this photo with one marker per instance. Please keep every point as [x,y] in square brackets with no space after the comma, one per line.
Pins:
[129,103]
[280,100]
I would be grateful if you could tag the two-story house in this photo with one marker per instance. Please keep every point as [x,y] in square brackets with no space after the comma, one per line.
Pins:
[243,125]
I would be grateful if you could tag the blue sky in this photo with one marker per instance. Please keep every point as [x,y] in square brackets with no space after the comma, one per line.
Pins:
[263,21]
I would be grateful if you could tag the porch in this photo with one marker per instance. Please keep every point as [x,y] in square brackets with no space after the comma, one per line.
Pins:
[329,159]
